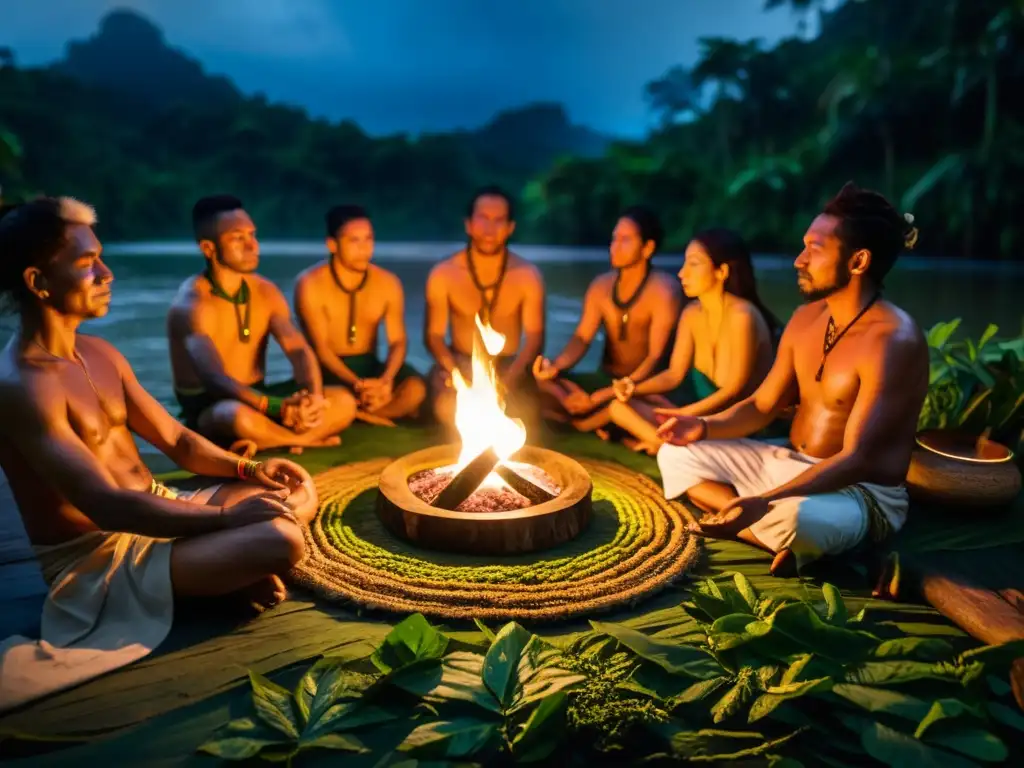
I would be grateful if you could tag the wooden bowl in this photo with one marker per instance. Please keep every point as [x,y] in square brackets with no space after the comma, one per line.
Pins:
[950,467]
[486,533]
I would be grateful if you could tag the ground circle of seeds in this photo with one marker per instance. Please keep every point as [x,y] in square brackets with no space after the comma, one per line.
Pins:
[636,544]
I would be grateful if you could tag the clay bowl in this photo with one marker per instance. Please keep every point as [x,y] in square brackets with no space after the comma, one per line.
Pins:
[488,533]
[953,468]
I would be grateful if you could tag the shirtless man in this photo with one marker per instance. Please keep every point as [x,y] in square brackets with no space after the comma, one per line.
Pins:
[858,366]
[638,307]
[99,522]
[219,325]
[484,279]
[341,305]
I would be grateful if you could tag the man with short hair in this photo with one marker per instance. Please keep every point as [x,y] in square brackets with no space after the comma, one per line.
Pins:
[341,304]
[486,281]
[117,548]
[858,365]
[638,307]
[218,327]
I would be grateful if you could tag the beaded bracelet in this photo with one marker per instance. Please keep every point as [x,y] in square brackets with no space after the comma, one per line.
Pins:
[247,468]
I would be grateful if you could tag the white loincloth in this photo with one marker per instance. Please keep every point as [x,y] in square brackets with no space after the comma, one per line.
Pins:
[809,526]
[110,603]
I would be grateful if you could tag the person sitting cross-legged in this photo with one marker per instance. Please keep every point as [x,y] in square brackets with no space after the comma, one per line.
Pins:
[118,549]
[218,328]
[858,365]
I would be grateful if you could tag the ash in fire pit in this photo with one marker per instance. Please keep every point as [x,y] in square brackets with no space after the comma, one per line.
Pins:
[490,496]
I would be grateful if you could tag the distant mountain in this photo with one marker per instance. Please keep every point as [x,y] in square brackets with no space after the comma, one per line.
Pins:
[532,137]
[128,55]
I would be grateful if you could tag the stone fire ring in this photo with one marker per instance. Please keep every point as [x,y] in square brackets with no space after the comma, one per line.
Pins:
[541,526]
[636,544]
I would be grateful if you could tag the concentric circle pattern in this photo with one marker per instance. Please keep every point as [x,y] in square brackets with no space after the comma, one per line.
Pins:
[636,544]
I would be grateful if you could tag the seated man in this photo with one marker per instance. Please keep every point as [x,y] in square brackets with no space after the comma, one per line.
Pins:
[637,306]
[485,281]
[859,366]
[219,325]
[117,548]
[342,303]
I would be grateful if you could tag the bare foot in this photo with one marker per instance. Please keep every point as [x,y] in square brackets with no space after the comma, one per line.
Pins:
[724,526]
[266,593]
[784,564]
[369,418]
[603,434]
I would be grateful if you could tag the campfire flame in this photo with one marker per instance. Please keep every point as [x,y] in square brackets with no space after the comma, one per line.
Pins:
[480,409]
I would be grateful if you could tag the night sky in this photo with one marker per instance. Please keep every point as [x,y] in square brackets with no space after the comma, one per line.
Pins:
[415,65]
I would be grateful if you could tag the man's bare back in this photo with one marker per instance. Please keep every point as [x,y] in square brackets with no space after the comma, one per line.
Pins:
[332,305]
[825,407]
[100,420]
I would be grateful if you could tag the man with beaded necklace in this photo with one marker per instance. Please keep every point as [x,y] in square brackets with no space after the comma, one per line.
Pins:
[218,327]
[505,291]
[117,548]
[637,305]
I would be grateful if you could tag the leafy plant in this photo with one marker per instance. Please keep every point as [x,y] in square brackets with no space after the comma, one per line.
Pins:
[763,678]
[974,386]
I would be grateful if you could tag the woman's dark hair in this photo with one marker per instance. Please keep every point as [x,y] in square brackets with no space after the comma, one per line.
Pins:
[31,234]
[724,246]
[868,221]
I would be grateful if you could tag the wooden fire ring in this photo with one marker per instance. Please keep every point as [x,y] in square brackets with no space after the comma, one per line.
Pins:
[950,468]
[541,526]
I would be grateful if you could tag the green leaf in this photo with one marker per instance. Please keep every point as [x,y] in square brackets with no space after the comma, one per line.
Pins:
[898,672]
[943,709]
[730,703]
[237,747]
[920,648]
[835,605]
[413,639]
[973,742]
[698,691]
[995,655]
[347,716]
[274,705]
[485,630]
[709,745]
[459,737]
[799,664]
[333,687]
[882,700]
[502,661]
[940,333]
[1003,714]
[801,624]
[766,703]
[899,750]
[746,590]
[735,630]
[672,657]
[538,675]
[543,729]
[342,742]
[990,331]
[456,678]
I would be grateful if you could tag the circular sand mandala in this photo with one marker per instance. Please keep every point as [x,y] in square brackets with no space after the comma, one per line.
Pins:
[636,544]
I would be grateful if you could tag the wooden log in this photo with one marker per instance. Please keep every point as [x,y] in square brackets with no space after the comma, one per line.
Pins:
[982,613]
[468,480]
[524,486]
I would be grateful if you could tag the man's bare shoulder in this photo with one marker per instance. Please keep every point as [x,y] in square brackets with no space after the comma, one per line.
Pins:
[190,292]
[602,284]
[264,287]
[385,278]
[894,328]
[447,267]
[26,388]
[523,270]
[806,315]
[312,275]
[665,285]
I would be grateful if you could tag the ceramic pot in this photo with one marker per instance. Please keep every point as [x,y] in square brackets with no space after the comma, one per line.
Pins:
[955,468]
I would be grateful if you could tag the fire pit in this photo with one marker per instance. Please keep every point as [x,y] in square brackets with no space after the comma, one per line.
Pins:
[489,495]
